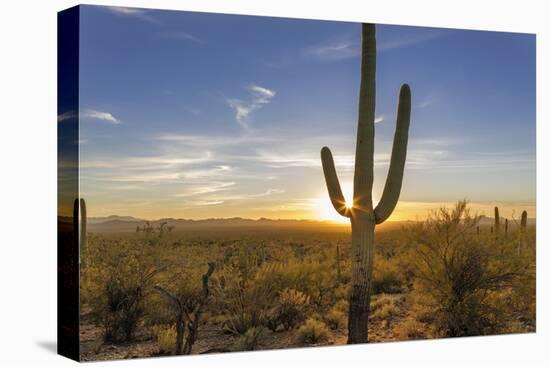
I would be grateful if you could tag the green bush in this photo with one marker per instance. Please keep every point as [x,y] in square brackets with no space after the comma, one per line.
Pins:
[312,332]
[335,319]
[245,301]
[115,281]
[249,340]
[166,339]
[386,307]
[387,276]
[289,310]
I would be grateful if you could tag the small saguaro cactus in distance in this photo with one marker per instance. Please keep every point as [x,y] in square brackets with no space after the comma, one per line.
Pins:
[80,227]
[523,226]
[506,226]
[497,220]
[338,268]
[362,215]
[523,220]
[76,233]
[83,230]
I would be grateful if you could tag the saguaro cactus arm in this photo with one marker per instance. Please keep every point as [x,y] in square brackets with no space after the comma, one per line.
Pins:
[392,188]
[333,185]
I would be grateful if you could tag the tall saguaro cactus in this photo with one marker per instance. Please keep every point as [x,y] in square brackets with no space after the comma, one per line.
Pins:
[363,216]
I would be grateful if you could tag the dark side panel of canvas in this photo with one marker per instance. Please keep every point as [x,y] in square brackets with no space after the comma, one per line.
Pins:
[67,228]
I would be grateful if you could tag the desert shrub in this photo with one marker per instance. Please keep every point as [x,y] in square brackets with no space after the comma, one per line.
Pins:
[313,278]
[187,304]
[341,306]
[249,340]
[386,307]
[387,276]
[122,312]
[245,301]
[522,299]
[115,283]
[341,292]
[166,339]
[289,311]
[312,332]
[336,317]
[459,272]
[410,329]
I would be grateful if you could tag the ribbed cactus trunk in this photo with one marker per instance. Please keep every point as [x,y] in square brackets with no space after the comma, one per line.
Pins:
[363,216]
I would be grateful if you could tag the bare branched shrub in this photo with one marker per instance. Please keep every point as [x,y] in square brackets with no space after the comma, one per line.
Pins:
[459,272]
[187,305]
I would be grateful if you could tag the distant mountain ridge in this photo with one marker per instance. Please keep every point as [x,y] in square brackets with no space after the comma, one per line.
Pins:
[125,218]
[116,223]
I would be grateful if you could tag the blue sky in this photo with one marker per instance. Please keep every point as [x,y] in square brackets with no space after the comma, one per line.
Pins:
[202,115]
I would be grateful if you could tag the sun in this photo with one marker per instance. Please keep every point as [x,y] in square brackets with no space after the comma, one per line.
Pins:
[326,211]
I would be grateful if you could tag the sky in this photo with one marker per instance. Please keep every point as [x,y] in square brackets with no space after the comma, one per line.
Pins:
[197,115]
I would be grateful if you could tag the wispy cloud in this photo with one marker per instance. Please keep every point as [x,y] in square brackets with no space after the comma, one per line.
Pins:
[140,14]
[89,114]
[216,141]
[337,48]
[260,96]
[208,203]
[293,159]
[340,47]
[66,116]
[243,196]
[209,188]
[411,39]
[378,118]
[100,115]
[181,35]
[157,162]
